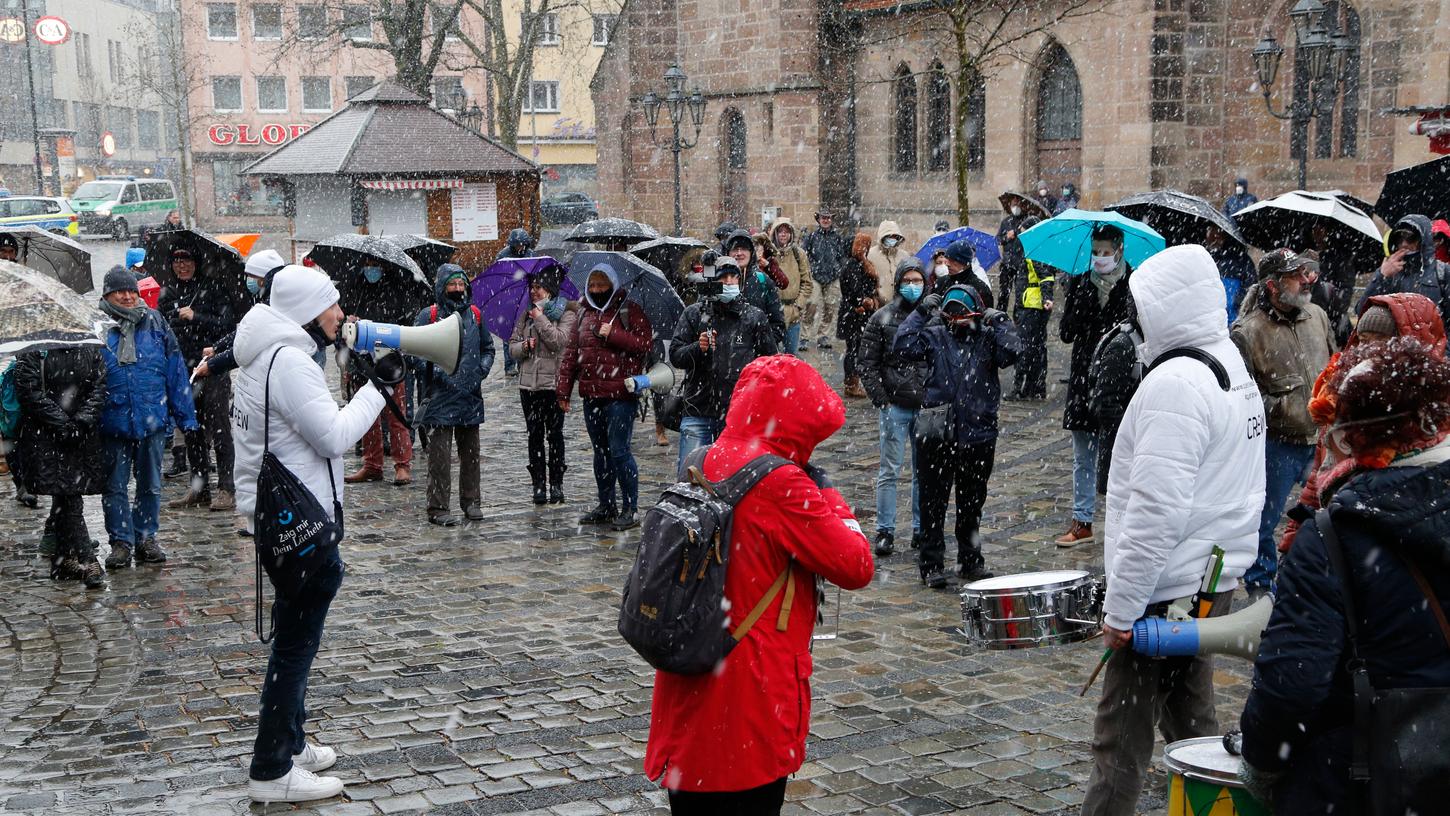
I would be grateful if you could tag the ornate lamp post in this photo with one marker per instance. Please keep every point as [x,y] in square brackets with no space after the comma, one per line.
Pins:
[676,103]
[1326,59]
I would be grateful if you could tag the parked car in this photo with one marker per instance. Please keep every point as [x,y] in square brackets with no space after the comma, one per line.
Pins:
[568,208]
[50,214]
[117,205]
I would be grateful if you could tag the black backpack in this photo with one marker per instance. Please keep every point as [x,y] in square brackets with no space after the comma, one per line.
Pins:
[673,610]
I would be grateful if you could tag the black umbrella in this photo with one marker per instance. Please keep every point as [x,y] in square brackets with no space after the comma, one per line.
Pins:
[1352,200]
[349,252]
[606,230]
[665,253]
[428,253]
[1422,189]
[1179,217]
[214,260]
[644,285]
[1028,203]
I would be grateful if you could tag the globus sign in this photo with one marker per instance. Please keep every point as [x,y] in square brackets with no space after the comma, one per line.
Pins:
[271,134]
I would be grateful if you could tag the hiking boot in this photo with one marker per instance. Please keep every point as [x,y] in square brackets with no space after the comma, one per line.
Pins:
[556,494]
[149,552]
[193,498]
[824,343]
[223,500]
[25,497]
[314,758]
[854,389]
[660,439]
[92,575]
[541,493]
[599,515]
[179,465]
[473,512]
[363,474]
[47,544]
[66,569]
[1076,532]
[120,557]
[935,577]
[977,573]
[443,519]
[624,521]
[885,543]
[402,475]
[299,785]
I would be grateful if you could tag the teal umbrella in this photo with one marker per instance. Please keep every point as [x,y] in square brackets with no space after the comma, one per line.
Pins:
[1065,240]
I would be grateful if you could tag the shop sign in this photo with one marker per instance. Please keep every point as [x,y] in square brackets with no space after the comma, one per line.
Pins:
[52,30]
[270,134]
[12,30]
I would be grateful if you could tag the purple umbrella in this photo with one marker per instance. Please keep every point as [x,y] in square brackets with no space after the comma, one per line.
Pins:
[501,291]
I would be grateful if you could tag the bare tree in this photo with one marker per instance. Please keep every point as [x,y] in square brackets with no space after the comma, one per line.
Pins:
[167,75]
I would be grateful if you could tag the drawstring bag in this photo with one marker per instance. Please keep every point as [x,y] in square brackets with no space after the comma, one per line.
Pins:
[293,535]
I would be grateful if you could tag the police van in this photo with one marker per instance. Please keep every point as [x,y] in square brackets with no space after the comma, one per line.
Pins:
[117,205]
[50,214]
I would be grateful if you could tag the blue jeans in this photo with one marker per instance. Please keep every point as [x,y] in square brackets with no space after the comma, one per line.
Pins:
[1084,475]
[610,423]
[1284,466]
[281,714]
[793,339]
[895,424]
[127,523]
[696,432]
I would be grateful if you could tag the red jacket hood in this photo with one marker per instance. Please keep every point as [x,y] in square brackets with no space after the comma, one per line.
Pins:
[1415,316]
[781,405]
[1441,227]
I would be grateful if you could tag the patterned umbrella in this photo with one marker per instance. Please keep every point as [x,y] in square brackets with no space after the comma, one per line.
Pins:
[55,255]
[349,252]
[38,311]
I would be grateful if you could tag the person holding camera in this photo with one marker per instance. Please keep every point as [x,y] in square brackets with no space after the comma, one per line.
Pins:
[308,434]
[967,345]
[714,340]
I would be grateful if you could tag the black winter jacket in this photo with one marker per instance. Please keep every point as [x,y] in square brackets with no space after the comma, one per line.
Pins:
[888,377]
[856,286]
[1084,323]
[827,250]
[742,334]
[62,394]
[1113,379]
[214,314]
[965,368]
[1299,715]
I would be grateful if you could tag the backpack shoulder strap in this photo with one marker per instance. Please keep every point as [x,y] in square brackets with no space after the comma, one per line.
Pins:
[433,313]
[733,488]
[1219,372]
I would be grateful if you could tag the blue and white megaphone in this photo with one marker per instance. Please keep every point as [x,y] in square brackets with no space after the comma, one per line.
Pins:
[439,343]
[1237,634]
[659,379]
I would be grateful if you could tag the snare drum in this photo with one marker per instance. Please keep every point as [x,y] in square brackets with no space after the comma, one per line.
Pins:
[1032,609]
[1205,781]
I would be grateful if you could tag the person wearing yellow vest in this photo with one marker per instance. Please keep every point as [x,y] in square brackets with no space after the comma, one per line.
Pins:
[1034,310]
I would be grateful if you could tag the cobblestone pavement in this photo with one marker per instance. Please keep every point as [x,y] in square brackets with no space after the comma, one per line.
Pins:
[477,670]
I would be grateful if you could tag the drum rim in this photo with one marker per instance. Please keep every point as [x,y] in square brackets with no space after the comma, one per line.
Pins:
[1027,589]
[1194,772]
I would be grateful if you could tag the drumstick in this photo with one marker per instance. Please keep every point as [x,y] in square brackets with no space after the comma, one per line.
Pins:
[1107,653]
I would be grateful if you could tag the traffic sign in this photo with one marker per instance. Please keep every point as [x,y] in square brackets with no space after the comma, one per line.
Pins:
[108,144]
[52,30]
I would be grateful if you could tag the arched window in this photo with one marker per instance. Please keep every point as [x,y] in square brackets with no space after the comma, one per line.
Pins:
[938,119]
[977,123]
[1059,98]
[1333,97]
[904,144]
[733,180]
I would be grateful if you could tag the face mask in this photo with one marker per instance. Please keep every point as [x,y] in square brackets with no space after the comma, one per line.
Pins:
[542,302]
[941,271]
[458,297]
[372,274]
[1066,193]
[1016,210]
[890,242]
[728,292]
[1103,264]
[1240,189]
[254,286]
[911,292]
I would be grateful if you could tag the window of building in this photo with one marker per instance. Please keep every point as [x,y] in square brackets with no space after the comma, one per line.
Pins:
[546,27]
[448,93]
[1335,99]
[312,22]
[226,93]
[221,21]
[977,124]
[1059,99]
[115,62]
[938,119]
[357,22]
[355,85]
[272,94]
[118,121]
[88,123]
[438,16]
[543,96]
[316,93]
[83,55]
[903,149]
[266,21]
[235,194]
[148,129]
[603,28]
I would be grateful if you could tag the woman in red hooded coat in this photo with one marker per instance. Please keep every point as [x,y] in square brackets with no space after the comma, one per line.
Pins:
[725,742]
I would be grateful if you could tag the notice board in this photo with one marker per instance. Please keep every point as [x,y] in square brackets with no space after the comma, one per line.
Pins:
[475,212]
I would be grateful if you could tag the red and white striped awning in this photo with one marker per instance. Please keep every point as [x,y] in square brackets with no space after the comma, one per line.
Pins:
[412,184]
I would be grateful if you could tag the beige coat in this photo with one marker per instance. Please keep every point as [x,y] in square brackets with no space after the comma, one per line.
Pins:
[884,260]
[796,265]
[538,368]
[1285,356]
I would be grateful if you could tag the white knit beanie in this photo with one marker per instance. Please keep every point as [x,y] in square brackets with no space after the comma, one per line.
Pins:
[264,261]
[301,294]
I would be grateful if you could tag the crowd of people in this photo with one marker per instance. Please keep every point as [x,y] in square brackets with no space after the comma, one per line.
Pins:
[1200,390]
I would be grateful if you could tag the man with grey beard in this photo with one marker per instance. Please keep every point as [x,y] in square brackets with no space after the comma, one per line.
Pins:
[1286,341]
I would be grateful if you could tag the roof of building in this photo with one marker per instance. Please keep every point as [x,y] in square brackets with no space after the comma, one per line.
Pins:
[389,130]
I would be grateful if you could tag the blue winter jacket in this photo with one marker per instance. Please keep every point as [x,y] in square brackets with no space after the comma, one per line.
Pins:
[151,394]
[964,369]
[457,398]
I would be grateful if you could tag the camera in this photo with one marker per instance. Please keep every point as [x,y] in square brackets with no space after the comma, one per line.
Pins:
[707,280]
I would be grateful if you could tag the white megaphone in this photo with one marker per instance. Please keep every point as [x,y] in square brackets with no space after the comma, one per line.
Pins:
[659,379]
[440,343]
[1237,634]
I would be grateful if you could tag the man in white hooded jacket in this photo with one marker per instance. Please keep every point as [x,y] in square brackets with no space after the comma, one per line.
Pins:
[309,435]
[1187,475]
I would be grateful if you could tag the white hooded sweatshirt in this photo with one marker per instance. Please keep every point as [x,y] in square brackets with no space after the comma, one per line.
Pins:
[310,433]
[1188,466]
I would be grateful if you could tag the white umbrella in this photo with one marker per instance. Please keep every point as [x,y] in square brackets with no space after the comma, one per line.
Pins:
[36,311]
[55,255]
[1283,221]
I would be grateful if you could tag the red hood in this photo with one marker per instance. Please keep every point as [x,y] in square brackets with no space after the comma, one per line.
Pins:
[782,406]
[1441,227]
[1415,316]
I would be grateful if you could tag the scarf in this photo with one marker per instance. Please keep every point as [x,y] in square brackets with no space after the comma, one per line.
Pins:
[1105,283]
[554,308]
[126,322]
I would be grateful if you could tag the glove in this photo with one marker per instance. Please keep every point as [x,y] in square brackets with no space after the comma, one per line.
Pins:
[992,317]
[930,303]
[390,369]
[818,475]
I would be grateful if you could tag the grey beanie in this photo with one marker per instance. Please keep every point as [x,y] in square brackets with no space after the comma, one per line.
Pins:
[1378,319]
[118,279]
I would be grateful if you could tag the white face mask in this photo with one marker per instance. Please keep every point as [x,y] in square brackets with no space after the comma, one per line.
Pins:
[1103,264]
[1240,189]
[890,243]
[1016,210]
[941,270]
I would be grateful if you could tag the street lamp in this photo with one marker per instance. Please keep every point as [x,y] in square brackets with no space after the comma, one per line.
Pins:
[676,102]
[1326,59]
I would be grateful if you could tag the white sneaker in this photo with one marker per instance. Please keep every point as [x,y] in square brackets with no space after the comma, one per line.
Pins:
[314,758]
[299,785]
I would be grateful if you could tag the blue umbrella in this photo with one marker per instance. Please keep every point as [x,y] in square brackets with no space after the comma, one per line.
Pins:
[644,285]
[985,245]
[1065,240]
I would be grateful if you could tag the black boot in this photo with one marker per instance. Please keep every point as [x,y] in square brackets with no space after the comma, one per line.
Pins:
[935,577]
[599,515]
[179,466]
[556,494]
[541,493]
[885,543]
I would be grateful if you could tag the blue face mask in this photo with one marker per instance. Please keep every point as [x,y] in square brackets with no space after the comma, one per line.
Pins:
[254,286]
[911,292]
[728,292]
[372,274]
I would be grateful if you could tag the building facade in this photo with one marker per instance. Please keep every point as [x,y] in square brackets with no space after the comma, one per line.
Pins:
[849,103]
